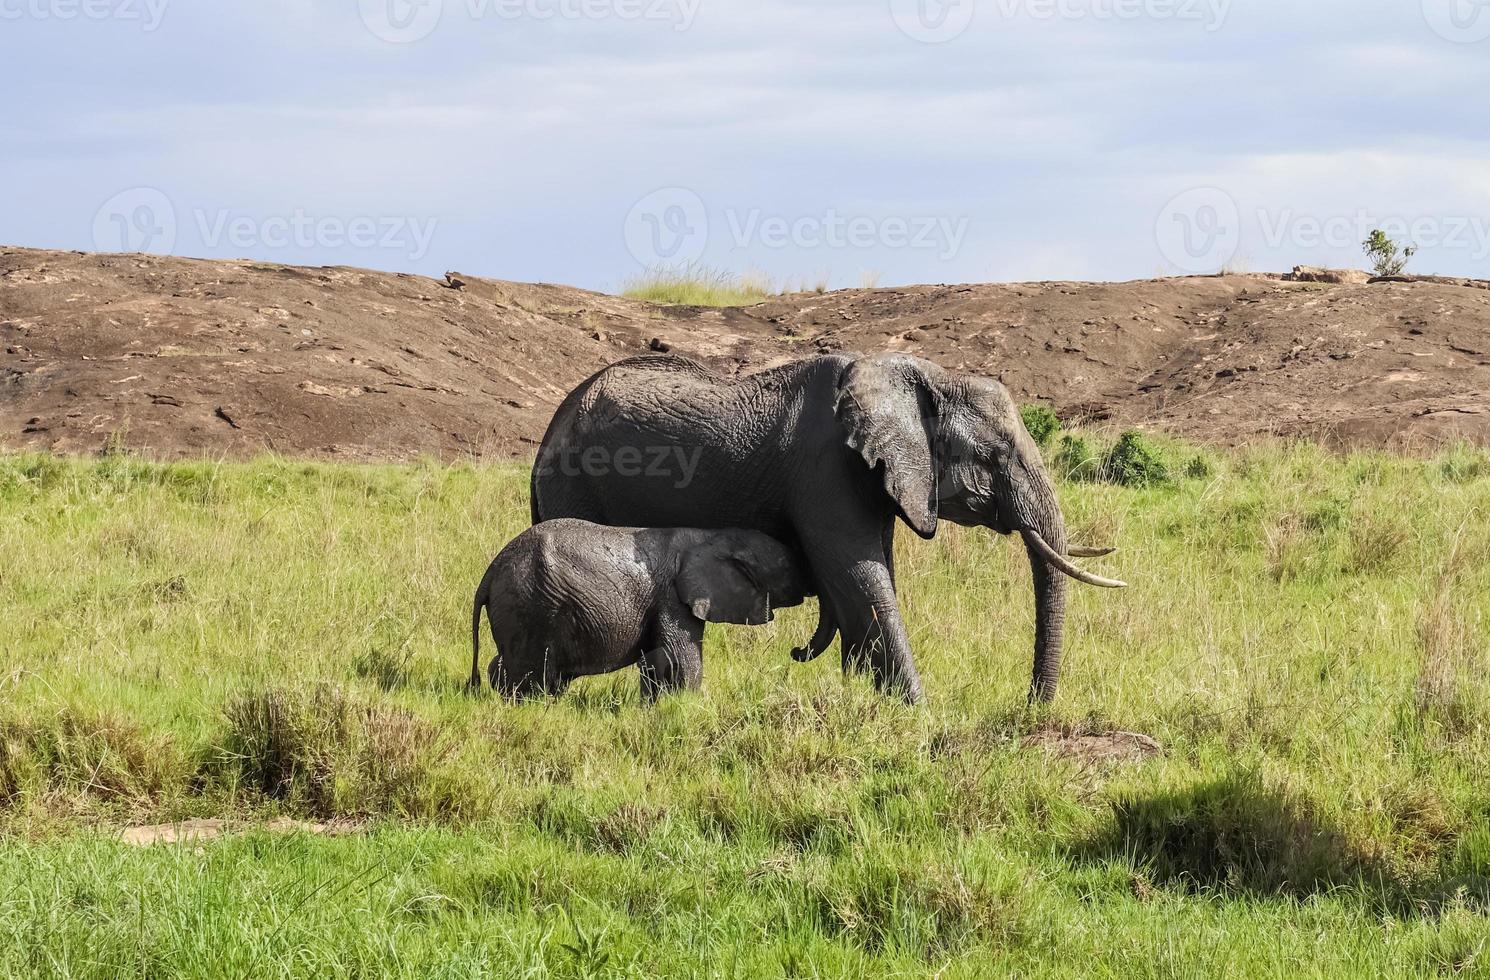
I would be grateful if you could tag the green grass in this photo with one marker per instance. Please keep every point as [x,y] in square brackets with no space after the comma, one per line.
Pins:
[1306,637]
[699,286]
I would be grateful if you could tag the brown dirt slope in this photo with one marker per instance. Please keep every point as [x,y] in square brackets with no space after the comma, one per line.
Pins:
[180,357]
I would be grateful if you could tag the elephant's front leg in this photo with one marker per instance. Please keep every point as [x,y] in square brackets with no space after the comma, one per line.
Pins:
[674,654]
[854,573]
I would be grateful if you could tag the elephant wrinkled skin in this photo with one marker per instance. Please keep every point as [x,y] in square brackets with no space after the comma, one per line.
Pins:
[568,598]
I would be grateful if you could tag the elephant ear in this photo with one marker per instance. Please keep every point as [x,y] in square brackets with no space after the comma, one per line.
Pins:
[719,588]
[886,405]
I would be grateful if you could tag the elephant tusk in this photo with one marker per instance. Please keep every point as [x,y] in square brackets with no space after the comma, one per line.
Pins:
[1063,564]
[1089,552]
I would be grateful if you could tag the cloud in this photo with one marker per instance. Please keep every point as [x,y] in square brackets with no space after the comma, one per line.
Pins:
[1059,139]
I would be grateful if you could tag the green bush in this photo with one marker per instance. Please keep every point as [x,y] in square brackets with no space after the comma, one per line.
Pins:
[1465,465]
[1041,422]
[1199,468]
[1239,834]
[1077,460]
[1387,257]
[1327,515]
[1133,462]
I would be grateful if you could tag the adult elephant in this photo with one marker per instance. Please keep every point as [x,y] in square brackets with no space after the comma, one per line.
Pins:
[823,454]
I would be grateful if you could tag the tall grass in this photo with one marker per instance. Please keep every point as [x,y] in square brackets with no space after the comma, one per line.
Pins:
[697,285]
[1305,638]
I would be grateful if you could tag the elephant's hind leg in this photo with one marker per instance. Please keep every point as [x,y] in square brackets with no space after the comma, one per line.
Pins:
[522,678]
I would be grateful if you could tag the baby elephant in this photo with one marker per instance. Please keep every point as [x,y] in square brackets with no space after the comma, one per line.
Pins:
[568,598]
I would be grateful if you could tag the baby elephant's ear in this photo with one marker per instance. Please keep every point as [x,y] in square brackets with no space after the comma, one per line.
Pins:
[719,588]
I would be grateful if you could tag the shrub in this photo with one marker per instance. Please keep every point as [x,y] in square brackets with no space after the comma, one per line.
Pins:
[1465,465]
[1077,460]
[1327,515]
[697,285]
[1285,548]
[1451,662]
[1377,543]
[277,740]
[1041,423]
[99,756]
[894,901]
[10,764]
[1133,462]
[389,671]
[325,754]
[1238,834]
[1199,468]
[1387,257]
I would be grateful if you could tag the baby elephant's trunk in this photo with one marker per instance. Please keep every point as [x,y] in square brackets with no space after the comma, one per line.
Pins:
[482,595]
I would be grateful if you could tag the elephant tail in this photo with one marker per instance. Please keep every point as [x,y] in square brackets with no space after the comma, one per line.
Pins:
[827,629]
[483,594]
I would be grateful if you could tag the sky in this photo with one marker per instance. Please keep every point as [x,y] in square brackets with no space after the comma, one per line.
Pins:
[804,141]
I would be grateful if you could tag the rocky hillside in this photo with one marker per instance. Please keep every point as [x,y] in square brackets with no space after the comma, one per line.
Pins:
[181,357]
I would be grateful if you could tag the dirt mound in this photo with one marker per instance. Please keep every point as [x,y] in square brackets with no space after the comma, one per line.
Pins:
[200,831]
[185,357]
[1091,748]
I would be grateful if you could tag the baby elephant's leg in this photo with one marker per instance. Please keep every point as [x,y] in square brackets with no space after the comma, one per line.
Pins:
[674,654]
[521,679]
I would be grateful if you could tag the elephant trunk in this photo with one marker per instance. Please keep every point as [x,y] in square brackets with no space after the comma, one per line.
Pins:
[1042,524]
[1050,616]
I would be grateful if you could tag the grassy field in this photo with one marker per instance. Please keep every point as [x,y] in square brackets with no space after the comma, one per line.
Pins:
[1307,638]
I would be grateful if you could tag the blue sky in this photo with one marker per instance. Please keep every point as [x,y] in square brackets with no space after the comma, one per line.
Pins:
[896,141]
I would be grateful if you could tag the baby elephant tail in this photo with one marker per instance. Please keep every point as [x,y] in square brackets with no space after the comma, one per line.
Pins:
[482,595]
